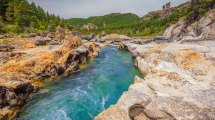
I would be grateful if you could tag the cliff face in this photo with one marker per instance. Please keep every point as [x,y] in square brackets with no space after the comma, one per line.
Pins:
[178,83]
[203,28]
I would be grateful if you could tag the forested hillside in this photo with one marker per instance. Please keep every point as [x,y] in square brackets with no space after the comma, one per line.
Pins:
[19,16]
[191,11]
[113,19]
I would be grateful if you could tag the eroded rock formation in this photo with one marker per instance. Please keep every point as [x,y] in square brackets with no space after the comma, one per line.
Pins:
[178,84]
[201,29]
[166,11]
[21,72]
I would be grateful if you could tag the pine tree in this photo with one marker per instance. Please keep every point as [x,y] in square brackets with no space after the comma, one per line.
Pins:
[10,12]
[61,24]
[25,14]
[3,7]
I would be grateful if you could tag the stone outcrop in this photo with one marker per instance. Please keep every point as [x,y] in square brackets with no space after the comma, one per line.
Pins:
[178,84]
[60,35]
[166,11]
[201,29]
[6,48]
[32,35]
[13,97]
[7,35]
[20,70]
[38,40]
[89,26]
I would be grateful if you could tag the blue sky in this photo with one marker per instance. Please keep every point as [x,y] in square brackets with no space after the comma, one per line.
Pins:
[87,8]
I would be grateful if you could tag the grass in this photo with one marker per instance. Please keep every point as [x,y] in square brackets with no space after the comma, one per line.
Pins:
[6,41]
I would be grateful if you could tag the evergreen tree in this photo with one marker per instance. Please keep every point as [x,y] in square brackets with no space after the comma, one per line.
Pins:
[10,12]
[25,14]
[61,24]
[3,7]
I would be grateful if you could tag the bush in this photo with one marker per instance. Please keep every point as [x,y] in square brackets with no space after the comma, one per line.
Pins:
[22,36]
[6,41]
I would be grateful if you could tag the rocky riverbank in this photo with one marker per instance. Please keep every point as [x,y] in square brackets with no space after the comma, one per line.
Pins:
[178,83]
[22,70]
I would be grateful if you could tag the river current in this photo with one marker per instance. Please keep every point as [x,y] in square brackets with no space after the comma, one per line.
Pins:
[83,94]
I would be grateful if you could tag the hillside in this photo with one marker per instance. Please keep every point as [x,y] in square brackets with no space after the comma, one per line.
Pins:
[110,20]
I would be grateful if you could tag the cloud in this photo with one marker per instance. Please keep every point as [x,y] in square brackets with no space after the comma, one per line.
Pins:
[87,8]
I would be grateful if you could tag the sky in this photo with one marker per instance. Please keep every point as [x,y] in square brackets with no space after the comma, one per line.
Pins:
[86,8]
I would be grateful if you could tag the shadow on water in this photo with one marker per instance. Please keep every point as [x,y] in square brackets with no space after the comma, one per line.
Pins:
[85,93]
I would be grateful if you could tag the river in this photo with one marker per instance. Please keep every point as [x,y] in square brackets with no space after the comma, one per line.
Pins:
[82,95]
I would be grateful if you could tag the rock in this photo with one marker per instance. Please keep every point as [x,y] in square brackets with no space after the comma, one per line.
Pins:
[24,89]
[178,84]
[3,58]
[32,35]
[30,45]
[39,40]
[161,39]
[89,26]
[76,33]
[103,33]
[84,41]
[1,36]
[7,35]
[122,47]
[54,43]
[49,35]
[92,35]
[6,48]
[73,67]
[47,39]
[85,37]
[166,11]
[60,35]
[41,33]
[201,29]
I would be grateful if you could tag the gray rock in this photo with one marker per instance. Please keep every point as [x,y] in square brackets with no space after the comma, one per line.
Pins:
[54,43]
[1,36]
[7,35]
[6,48]
[32,35]
[39,41]
[3,58]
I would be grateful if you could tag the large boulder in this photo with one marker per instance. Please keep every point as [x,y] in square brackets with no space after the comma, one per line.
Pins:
[7,35]
[6,48]
[47,39]
[39,40]
[1,36]
[60,34]
[3,58]
[103,33]
[41,33]
[32,35]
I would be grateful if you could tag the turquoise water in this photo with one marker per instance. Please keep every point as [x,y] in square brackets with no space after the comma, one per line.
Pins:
[84,94]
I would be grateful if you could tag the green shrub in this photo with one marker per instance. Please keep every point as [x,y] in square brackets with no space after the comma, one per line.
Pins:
[6,41]
[22,35]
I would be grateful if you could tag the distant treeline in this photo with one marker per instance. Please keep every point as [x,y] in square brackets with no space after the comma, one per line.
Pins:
[19,16]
